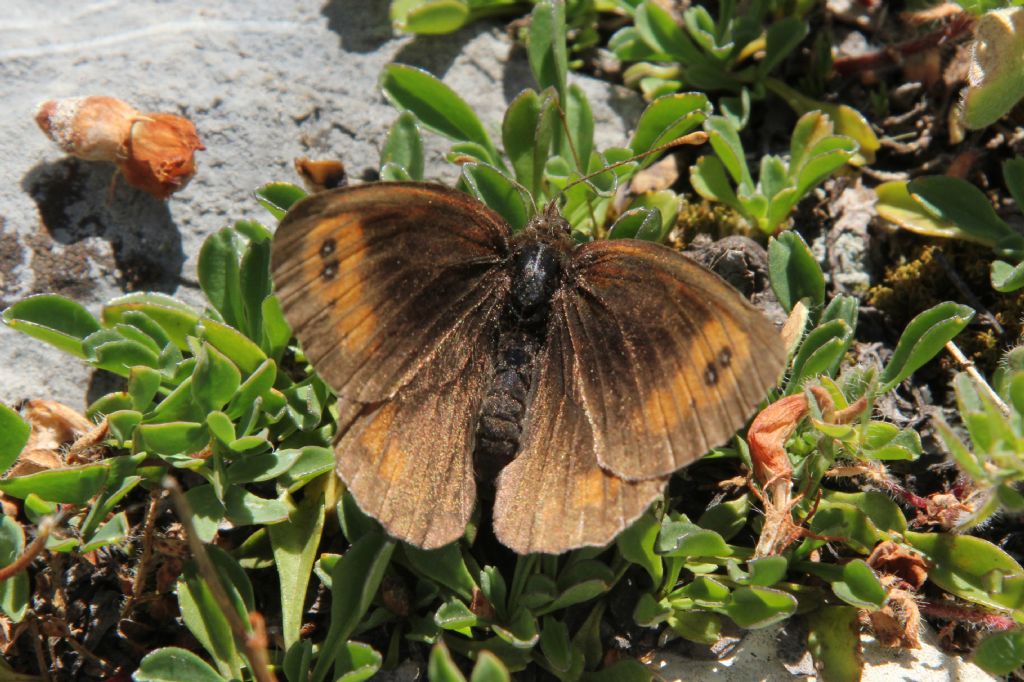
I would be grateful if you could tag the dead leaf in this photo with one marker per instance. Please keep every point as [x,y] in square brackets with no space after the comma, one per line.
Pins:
[888,558]
[656,177]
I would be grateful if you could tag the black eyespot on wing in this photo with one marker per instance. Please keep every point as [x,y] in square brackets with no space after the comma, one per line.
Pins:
[672,359]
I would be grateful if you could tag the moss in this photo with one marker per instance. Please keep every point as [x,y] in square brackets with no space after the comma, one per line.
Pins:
[923,280]
[713,219]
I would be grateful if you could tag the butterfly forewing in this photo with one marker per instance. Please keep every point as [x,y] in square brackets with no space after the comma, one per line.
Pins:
[671,359]
[554,496]
[374,278]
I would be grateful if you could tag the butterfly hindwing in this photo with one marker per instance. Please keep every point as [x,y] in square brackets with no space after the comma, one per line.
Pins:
[408,460]
[554,496]
[374,278]
[672,359]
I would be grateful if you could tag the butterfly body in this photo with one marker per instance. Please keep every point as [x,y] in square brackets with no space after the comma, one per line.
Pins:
[574,379]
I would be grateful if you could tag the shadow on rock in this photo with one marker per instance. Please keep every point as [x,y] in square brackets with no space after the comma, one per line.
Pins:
[436,54]
[362,26]
[76,203]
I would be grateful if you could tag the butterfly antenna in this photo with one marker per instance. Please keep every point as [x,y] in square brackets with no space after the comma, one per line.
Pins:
[696,138]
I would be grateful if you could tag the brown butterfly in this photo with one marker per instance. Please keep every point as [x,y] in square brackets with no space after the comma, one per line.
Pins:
[580,376]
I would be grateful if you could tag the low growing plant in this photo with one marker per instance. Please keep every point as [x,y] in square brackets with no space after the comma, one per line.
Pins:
[944,206]
[815,153]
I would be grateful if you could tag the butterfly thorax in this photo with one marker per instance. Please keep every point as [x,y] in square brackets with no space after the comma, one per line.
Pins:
[536,267]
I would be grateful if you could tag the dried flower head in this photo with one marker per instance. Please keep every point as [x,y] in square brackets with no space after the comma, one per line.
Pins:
[154,152]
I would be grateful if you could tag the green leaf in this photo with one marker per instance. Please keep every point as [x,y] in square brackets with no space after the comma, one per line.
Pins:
[661,33]
[356,662]
[956,201]
[295,543]
[726,518]
[14,432]
[14,592]
[172,664]
[546,46]
[1000,653]
[112,532]
[219,275]
[637,223]
[971,568]
[782,38]
[445,566]
[279,197]
[237,347]
[215,379]
[520,631]
[203,614]
[174,317]
[885,514]
[58,321]
[768,570]
[441,667]
[820,353]
[897,206]
[834,643]
[996,84]
[172,438]
[666,119]
[793,271]
[355,580]
[455,615]
[624,670]
[710,181]
[526,133]
[845,119]
[1005,277]
[70,485]
[681,538]
[404,146]
[429,17]
[580,122]
[489,668]
[859,586]
[637,542]
[436,106]
[555,644]
[923,338]
[581,582]
[757,607]
[725,140]
[493,188]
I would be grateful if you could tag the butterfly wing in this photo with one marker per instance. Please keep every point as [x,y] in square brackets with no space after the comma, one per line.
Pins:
[408,460]
[374,278]
[554,496]
[672,360]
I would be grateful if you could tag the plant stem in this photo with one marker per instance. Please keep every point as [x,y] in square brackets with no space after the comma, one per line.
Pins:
[253,644]
[31,552]
[968,366]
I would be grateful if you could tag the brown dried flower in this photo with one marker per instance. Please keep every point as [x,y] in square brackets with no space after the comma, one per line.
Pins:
[153,151]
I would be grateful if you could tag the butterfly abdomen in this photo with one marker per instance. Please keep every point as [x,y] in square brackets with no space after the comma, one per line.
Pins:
[535,274]
[501,414]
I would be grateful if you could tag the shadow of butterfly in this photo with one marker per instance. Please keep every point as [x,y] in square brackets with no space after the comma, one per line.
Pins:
[573,378]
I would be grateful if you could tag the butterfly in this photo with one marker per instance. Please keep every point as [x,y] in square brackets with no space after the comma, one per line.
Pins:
[570,379]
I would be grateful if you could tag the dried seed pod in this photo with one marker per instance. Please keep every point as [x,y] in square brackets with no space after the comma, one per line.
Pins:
[90,128]
[154,152]
[159,156]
